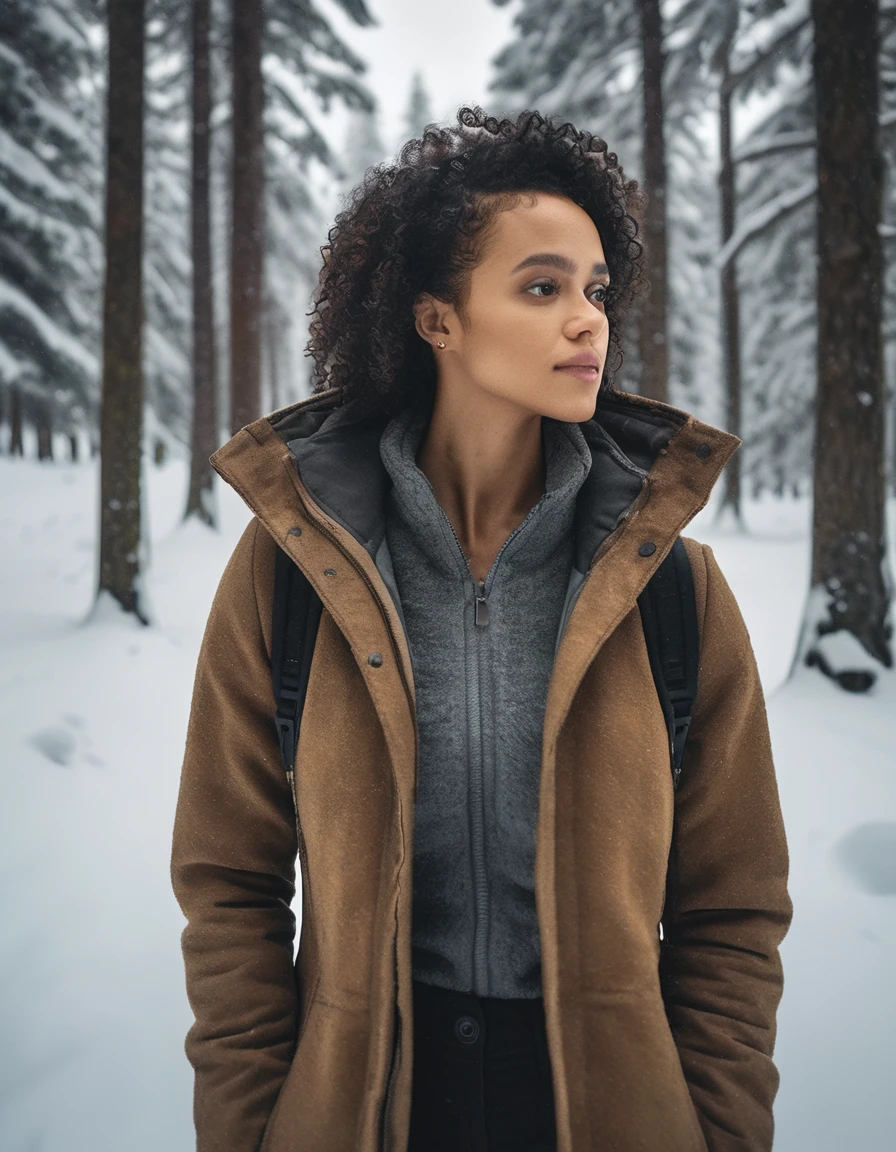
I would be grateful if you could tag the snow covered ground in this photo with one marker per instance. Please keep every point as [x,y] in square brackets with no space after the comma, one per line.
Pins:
[93,1011]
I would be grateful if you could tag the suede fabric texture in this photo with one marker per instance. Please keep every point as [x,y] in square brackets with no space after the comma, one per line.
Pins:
[481,694]
[648,1051]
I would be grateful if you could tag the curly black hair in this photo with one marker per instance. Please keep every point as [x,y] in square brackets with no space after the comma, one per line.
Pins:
[421,224]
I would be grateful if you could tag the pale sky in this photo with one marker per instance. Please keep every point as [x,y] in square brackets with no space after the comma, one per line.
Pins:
[451,43]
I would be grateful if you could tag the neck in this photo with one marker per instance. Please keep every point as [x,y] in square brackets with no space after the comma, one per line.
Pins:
[485,462]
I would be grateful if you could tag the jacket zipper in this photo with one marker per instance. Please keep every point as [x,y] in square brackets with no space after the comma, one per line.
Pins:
[474,660]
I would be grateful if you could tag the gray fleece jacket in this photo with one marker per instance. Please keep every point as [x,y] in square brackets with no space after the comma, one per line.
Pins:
[481,676]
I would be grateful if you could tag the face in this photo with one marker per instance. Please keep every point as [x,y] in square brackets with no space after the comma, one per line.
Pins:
[535,301]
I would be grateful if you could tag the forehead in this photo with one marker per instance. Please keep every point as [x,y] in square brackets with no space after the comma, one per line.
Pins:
[546,222]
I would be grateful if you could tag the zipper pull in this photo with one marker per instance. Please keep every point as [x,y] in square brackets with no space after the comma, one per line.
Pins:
[480,611]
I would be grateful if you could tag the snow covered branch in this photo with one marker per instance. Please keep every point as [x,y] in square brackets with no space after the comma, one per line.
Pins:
[763,218]
[780,142]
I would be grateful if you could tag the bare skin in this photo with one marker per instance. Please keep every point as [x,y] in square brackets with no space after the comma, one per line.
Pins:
[497,375]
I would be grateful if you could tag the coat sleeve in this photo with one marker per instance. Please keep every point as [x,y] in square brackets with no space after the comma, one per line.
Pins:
[233,865]
[721,968]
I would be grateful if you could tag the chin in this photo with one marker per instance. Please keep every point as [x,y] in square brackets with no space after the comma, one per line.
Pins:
[573,408]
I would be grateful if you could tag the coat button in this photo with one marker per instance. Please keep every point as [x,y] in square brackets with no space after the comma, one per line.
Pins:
[703,451]
[375,659]
[466,1029]
[647,548]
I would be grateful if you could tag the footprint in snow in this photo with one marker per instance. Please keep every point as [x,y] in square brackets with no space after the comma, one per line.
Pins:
[57,744]
[867,854]
[62,743]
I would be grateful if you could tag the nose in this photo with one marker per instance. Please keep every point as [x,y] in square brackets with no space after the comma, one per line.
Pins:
[587,317]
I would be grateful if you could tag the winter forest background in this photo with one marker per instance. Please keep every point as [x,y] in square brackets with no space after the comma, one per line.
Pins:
[168,174]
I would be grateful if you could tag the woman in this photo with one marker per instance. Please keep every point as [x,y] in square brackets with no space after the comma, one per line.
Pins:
[483,798]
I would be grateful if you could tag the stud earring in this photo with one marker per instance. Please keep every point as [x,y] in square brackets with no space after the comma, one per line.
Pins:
[440,344]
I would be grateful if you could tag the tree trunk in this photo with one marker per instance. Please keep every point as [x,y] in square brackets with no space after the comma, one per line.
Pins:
[121,422]
[200,500]
[247,242]
[851,591]
[73,453]
[44,431]
[652,330]
[16,443]
[730,505]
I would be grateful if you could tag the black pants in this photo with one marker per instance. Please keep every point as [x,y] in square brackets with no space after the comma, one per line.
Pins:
[482,1075]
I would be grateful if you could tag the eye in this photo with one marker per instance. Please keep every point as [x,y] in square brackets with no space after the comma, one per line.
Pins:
[552,284]
[542,284]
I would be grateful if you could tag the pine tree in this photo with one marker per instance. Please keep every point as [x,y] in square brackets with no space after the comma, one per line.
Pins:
[200,498]
[166,262]
[724,52]
[306,66]
[122,404]
[308,69]
[49,218]
[887,74]
[652,320]
[774,245]
[247,230]
[847,625]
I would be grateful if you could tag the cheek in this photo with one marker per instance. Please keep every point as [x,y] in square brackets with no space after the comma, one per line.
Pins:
[507,339]
[512,352]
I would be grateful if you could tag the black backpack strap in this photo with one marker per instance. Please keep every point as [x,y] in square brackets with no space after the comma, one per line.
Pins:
[669,615]
[296,616]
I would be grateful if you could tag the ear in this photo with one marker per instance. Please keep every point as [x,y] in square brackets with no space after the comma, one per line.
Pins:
[429,317]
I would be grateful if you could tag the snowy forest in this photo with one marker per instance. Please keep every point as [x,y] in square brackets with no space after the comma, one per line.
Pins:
[169,170]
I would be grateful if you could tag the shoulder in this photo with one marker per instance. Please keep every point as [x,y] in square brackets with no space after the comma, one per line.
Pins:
[245,594]
[717,605]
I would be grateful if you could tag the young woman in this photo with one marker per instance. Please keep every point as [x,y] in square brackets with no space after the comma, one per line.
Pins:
[482,807]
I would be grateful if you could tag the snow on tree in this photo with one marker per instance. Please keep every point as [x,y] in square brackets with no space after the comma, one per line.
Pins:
[167,265]
[50,216]
[306,68]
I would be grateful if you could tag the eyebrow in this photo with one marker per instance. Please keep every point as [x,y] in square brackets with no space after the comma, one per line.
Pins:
[555,260]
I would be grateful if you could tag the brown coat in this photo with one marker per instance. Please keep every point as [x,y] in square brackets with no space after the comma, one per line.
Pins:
[319,1059]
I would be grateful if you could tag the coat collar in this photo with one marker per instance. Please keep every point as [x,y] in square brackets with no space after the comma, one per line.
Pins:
[630,438]
[636,443]
[308,466]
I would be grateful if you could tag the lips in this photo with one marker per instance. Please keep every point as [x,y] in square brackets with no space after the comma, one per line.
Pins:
[583,371]
[583,360]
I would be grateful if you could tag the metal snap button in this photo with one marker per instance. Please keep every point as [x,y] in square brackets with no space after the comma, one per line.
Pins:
[466,1029]
[647,548]
[294,531]
[703,451]
[375,659]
